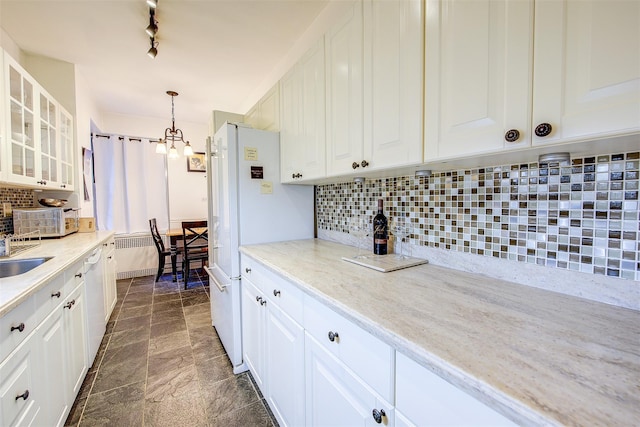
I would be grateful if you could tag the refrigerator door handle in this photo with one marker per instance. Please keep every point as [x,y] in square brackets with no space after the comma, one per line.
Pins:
[220,287]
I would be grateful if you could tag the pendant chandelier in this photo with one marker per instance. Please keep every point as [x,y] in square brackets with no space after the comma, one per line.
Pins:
[173,135]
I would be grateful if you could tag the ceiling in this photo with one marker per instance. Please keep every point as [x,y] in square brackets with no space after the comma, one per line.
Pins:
[214,53]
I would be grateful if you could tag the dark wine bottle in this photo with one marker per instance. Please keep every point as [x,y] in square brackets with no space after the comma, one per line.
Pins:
[380,231]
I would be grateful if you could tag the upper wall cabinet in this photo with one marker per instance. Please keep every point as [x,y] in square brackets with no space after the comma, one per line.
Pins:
[374,87]
[266,113]
[302,118]
[37,144]
[487,90]
[586,72]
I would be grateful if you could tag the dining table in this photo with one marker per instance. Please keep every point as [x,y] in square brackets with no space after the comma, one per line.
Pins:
[175,235]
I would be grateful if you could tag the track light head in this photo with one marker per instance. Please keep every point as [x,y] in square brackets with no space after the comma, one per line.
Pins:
[152,3]
[153,51]
[152,29]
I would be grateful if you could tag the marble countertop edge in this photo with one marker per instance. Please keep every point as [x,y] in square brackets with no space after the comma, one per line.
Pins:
[17,289]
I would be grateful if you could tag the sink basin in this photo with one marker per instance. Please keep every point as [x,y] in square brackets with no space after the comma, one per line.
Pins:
[13,267]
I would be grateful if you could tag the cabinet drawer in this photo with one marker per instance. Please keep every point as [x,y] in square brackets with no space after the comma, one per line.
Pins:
[22,317]
[17,379]
[366,355]
[49,297]
[426,399]
[74,276]
[277,289]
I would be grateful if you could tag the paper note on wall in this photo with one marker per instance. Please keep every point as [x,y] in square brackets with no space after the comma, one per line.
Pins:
[266,187]
[251,154]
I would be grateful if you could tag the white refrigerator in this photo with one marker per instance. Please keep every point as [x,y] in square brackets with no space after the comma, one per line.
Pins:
[247,205]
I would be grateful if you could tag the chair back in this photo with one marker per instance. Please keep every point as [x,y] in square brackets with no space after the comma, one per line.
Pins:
[195,235]
[157,238]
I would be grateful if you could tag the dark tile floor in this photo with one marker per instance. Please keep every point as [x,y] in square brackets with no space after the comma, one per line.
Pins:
[161,363]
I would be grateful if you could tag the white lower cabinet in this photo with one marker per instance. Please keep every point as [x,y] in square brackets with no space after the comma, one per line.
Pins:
[20,393]
[425,399]
[336,396]
[273,348]
[109,278]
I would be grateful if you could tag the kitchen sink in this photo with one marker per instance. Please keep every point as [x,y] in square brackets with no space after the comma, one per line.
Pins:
[13,267]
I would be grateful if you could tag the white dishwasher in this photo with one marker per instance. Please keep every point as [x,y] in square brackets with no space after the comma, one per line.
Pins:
[94,293]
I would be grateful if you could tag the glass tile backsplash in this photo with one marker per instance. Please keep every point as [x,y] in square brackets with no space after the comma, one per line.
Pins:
[19,198]
[581,216]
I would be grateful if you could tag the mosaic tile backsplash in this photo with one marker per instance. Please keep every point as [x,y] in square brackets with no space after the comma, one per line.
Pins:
[19,198]
[581,216]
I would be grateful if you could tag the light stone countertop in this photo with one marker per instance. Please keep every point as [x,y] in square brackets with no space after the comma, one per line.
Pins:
[65,252]
[538,357]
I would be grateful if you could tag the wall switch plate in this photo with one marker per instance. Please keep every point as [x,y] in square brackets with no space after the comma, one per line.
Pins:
[6,209]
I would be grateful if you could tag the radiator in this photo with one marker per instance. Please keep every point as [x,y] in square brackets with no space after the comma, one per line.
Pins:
[136,256]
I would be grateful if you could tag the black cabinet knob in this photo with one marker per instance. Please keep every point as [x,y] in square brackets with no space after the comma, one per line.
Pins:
[276,293]
[247,270]
[377,415]
[543,129]
[24,395]
[512,135]
[79,275]
[19,328]
[333,336]
[56,294]
[364,163]
[355,165]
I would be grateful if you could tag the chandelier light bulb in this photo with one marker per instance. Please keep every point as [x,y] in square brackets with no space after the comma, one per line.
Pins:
[173,152]
[161,147]
[188,150]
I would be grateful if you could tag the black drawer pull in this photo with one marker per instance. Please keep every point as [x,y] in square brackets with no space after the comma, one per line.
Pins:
[20,327]
[333,336]
[377,415]
[24,395]
[56,294]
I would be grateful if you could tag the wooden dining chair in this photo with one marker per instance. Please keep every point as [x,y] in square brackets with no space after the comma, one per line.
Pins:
[195,238]
[163,253]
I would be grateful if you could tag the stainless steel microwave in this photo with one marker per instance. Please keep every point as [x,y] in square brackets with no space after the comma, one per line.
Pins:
[51,222]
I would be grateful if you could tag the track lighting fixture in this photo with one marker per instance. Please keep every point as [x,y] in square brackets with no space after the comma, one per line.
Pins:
[152,29]
[153,51]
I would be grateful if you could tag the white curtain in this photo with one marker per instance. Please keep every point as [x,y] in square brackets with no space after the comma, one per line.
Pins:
[130,185]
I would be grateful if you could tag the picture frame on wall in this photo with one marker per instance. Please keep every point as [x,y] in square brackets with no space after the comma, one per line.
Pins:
[197,163]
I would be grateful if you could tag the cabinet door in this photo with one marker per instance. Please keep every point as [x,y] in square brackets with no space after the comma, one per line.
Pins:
[477,75]
[312,118]
[66,150]
[48,140]
[52,377]
[75,335]
[20,390]
[344,92]
[587,68]
[289,130]
[269,118]
[335,396]
[110,291]
[21,125]
[393,75]
[285,367]
[253,315]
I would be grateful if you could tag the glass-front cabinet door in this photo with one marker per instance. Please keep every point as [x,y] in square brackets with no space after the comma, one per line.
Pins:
[48,140]
[21,130]
[66,150]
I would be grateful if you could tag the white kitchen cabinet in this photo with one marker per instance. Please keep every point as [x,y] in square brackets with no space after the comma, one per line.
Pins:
[66,150]
[273,341]
[302,118]
[51,364]
[109,277]
[344,93]
[498,73]
[253,336]
[20,393]
[75,331]
[266,113]
[336,396]
[425,399]
[38,139]
[374,87]
[586,72]
[393,75]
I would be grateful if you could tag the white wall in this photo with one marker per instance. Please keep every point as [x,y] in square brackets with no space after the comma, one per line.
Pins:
[187,190]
